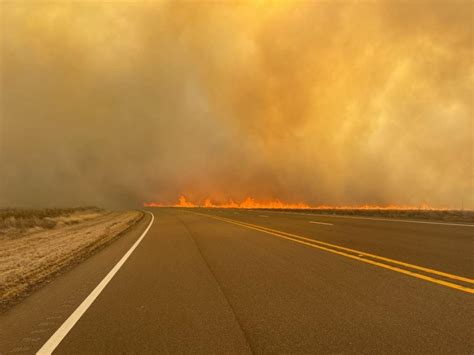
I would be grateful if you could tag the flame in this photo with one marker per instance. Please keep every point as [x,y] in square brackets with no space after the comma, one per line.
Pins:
[251,203]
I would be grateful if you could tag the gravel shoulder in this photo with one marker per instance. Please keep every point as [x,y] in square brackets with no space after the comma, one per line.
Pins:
[33,256]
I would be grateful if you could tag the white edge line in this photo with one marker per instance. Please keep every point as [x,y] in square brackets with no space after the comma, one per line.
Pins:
[326,224]
[375,219]
[69,323]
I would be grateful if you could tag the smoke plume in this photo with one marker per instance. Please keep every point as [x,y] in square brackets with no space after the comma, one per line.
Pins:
[342,103]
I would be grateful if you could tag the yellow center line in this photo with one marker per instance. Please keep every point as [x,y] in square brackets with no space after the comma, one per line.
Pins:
[312,243]
[401,263]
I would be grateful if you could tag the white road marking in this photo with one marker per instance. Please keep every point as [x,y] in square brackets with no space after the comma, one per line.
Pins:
[69,323]
[376,219]
[326,224]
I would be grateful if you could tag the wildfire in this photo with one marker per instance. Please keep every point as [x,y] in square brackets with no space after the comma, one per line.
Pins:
[251,203]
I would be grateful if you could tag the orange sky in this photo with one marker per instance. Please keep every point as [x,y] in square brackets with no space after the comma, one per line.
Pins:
[335,103]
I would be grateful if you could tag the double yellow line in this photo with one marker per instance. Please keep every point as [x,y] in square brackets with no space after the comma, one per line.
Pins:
[364,257]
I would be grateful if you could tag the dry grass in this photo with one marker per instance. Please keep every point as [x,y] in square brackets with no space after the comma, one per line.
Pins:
[33,253]
[24,219]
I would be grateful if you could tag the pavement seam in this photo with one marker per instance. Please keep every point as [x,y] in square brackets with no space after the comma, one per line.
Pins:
[192,237]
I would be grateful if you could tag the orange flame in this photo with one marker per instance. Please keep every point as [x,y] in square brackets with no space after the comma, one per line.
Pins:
[251,203]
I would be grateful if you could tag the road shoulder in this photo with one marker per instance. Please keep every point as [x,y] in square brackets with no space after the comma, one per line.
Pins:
[27,325]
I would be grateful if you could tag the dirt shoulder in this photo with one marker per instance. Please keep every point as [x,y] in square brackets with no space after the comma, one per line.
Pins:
[32,253]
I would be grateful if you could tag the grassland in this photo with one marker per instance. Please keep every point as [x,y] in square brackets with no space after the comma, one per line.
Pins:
[14,220]
[36,245]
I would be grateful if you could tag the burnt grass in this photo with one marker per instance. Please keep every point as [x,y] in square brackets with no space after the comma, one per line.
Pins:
[456,216]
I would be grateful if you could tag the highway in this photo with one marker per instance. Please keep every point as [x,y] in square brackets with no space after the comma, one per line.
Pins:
[249,281]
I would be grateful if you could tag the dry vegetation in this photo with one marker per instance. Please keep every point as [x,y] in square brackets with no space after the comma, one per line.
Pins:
[21,220]
[456,216]
[37,244]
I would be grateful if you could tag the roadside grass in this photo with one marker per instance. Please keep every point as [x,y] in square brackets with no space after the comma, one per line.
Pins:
[36,245]
[47,218]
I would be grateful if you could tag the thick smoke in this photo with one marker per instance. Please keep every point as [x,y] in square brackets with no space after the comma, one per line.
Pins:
[120,103]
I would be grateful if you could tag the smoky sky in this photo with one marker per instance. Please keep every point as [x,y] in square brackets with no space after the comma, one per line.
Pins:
[117,103]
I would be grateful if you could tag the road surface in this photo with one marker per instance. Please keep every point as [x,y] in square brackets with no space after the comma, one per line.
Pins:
[237,281]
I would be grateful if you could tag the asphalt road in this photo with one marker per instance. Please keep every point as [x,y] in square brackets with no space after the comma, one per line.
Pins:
[233,281]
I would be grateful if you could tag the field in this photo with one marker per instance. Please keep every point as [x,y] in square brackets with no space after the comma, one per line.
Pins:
[35,245]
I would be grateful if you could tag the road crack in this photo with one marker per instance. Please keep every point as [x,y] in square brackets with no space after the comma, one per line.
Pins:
[193,238]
